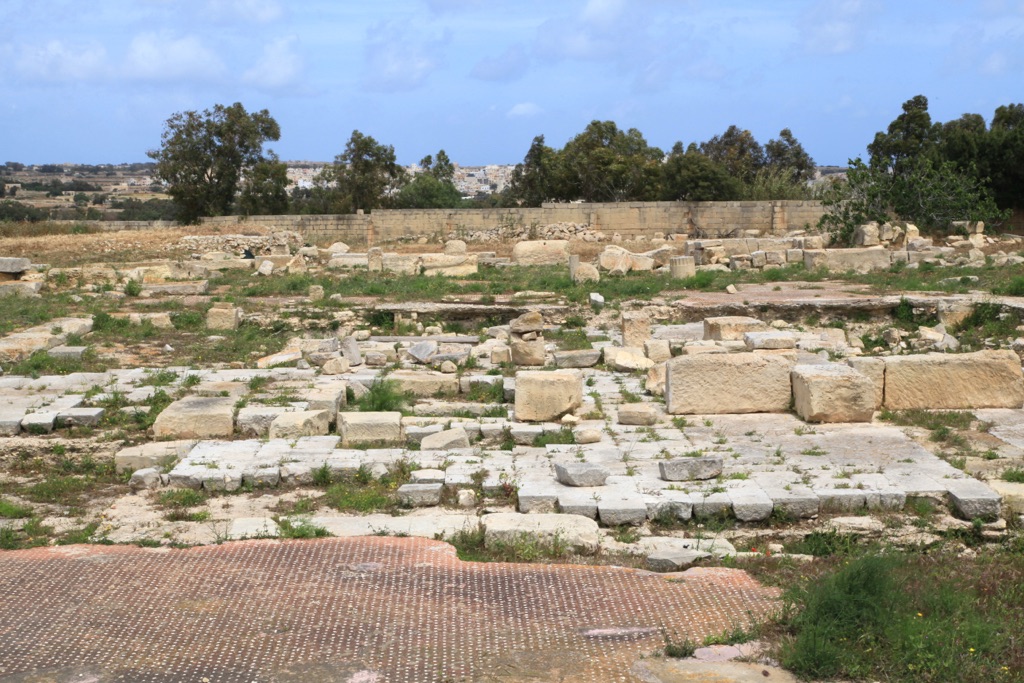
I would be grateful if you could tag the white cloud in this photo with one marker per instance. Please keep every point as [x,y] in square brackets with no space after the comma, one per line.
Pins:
[524,110]
[603,12]
[836,26]
[398,59]
[279,67]
[162,57]
[258,11]
[56,62]
[508,66]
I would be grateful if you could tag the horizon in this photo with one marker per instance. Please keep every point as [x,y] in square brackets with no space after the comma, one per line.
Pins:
[94,85]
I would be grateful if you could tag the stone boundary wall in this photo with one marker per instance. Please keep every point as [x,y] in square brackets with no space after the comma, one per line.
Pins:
[629,219]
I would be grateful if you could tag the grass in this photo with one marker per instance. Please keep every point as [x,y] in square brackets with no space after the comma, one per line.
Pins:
[9,510]
[42,363]
[470,546]
[383,396]
[1014,475]
[899,618]
[561,436]
[300,528]
[179,504]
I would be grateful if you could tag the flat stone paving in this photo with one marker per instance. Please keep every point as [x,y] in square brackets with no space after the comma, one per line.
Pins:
[364,610]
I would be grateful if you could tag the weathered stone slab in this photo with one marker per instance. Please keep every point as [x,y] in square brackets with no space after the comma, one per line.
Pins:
[579,533]
[541,253]
[153,454]
[291,425]
[688,469]
[641,414]
[424,383]
[669,560]
[197,417]
[983,379]
[728,383]
[528,353]
[580,474]
[378,428]
[445,440]
[731,327]
[9,264]
[584,358]
[973,500]
[832,393]
[255,420]
[873,369]
[546,396]
[420,495]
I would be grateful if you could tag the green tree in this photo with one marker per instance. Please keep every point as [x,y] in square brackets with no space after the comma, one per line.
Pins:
[204,156]
[265,188]
[738,151]
[365,175]
[440,168]
[533,181]
[929,193]
[787,156]
[605,164]
[910,136]
[427,192]
[1003,156]
[688,175]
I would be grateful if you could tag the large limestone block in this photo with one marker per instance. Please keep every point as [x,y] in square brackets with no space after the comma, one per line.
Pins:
[832,393]
[372,428]
[636,328]
[425,384]
[579,533]
[628,359]
[445,440]
[10,264]
[731,327]
[452,265]
[874,369]
[153,454]
[300,423]
[728,383]
[546,396]
[984,379]
[528,353]
[197,417]
[223,317]
[858,260]
[541,253]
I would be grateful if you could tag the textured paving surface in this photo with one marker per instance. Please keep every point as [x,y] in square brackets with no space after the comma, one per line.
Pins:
[356,610]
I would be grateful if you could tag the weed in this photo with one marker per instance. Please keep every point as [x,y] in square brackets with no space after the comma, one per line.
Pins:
[626,534]
[1014,475]
[683,649]
[383,395]
[9,510]
[301,528]
[561,436]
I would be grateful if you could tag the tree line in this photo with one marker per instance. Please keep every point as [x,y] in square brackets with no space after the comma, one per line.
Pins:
[934,173]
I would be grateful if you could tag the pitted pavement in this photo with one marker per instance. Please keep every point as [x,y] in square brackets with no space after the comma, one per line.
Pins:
[352,610]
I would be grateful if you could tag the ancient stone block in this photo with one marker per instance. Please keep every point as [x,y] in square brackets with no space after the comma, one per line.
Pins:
[832,393]
[546,396]
[197,417]
[983,379]
[728,383]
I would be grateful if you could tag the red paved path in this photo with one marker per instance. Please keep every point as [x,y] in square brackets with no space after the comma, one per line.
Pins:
[354,610]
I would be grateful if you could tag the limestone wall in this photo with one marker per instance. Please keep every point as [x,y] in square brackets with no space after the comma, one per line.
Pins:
[629,219]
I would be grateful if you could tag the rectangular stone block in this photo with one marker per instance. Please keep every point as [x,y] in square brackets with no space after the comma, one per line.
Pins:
[197,417]
[983,379]
[832,393]
[377,428]
[728,383]
[731,327]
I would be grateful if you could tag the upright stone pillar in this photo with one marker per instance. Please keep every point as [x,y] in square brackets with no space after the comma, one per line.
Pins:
[682,267]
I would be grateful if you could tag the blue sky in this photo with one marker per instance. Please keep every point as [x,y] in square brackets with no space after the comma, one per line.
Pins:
[93,82]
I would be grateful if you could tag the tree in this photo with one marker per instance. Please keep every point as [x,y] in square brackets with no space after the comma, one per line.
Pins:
[788,156]
[1003,156]
[533,181]
[433,188]
[605,164]
[265,188]
[929,193]
[910,136]
[738,150]
[204,156]
[690,176]
[365,174]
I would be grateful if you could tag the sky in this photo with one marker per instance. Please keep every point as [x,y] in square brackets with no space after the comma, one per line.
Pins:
[94,82]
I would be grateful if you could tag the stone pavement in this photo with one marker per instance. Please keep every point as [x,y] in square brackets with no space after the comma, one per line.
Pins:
[365,610]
